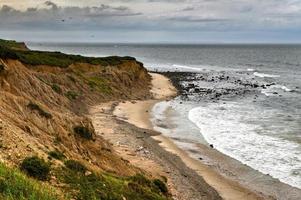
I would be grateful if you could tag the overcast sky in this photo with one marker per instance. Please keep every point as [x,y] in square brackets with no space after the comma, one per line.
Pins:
[179,21]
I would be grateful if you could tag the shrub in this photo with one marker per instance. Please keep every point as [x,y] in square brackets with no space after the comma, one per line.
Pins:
[141,180]
[41,112]
[83,132]
[71,95]
[75,166]
[57,88]
[36,167]
[56,155]
[160,185]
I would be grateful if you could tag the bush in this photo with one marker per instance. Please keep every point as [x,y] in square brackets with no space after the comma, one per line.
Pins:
[36,167]
[57,155]
[75,166]
[71,95]
[33,106]
[160,185]
[141,180]
[57,88]
[83,132]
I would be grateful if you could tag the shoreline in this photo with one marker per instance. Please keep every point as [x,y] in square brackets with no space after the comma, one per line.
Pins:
[138,114]
[127,126]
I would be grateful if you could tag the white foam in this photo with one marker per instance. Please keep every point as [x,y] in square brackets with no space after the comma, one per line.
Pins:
[250,70]
[262,75]
[226,130]
[187,67]
[158,116]
[275,88]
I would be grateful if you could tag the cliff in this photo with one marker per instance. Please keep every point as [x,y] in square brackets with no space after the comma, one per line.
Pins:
[43,100]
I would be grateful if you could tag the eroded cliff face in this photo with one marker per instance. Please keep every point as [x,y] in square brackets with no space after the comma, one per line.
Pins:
[41,106]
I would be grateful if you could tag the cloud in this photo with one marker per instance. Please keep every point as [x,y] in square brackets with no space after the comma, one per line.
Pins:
[167,16]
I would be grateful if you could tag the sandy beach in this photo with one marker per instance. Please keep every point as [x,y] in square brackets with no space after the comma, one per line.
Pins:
[128,127]
[138,113]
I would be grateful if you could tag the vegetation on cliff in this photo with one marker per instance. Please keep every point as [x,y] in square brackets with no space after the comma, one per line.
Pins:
[18,51]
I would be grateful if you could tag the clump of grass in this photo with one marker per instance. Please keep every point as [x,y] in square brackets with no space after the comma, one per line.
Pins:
[56,154]
[161,186]
[100,84]
[75,166]
[15,185]
[41,112]
[83,132]
[57,88]
[71,95]
[36,168]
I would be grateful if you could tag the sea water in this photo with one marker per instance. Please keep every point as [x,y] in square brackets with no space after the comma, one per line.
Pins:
[262,131]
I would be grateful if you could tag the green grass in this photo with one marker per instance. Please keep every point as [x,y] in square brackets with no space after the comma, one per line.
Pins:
[11,50]
[56,154]
[13,44]
[57,88]
[71,95]
[100,84]
[14,185]
[105,186]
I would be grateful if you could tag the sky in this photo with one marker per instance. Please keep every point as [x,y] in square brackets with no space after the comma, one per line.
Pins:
[152,21]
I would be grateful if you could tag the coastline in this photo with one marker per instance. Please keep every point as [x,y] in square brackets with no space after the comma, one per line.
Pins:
[136,145]
[138,114]
[127,126]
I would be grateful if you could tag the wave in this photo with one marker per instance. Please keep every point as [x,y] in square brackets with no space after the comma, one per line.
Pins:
[225,129]
[262,75]
[187,67]
[274,89]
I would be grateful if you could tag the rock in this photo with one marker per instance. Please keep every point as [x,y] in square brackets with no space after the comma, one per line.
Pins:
[211,145]
[87,173]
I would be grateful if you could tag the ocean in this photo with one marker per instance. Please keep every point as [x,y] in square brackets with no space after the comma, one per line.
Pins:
[260,126]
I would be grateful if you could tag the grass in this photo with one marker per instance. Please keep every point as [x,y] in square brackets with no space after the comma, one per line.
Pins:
[57,88]
[71,95]
[100,84]
[35,107]
[15,185]
[13,50]
[13,44]
[75,166]
[105,186]
[56,154]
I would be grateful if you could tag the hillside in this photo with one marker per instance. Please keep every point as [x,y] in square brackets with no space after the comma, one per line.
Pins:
[43,101]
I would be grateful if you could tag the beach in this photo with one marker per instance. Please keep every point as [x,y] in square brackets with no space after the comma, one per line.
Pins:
[158,155]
